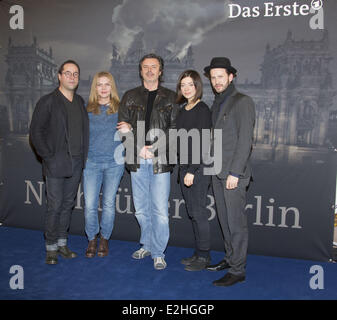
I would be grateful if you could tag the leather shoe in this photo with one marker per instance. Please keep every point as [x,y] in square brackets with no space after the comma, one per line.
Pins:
[66,253]
[187,261]
[229,279]
[222,265]
[51,257]
[103,248]
[92,248]
[200,263]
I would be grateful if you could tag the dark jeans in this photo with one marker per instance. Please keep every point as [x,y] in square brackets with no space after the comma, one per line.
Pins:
[230,206]
[195,198]
[61,194]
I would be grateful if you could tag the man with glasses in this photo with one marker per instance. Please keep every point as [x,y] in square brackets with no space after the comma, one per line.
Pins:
[59,132]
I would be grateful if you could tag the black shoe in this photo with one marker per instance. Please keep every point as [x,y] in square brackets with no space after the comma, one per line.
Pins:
[66,253]
[51,257]
[229,279]
[200,263]
[187,261]
[222,265]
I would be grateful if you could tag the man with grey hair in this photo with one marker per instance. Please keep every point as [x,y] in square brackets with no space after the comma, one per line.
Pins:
[142,111]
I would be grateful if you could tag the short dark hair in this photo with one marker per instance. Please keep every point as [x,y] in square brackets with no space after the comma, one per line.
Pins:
[197,83]
[152,56]
[66,62]
[229,73]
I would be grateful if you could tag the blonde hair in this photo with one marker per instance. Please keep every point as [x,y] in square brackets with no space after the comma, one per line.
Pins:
[93,104]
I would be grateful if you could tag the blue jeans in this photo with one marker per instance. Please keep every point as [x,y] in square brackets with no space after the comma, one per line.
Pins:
[96,176]
[150,197]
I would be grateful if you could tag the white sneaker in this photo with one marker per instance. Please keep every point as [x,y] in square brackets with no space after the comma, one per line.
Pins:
[159,263]
[141,254]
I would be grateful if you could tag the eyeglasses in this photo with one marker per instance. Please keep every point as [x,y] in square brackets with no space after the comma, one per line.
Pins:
[68,74]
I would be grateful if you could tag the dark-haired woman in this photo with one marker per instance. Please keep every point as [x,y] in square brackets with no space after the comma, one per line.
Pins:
[194,115]
[105,165]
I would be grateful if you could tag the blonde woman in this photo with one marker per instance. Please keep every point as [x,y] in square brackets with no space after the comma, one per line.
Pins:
[104,166]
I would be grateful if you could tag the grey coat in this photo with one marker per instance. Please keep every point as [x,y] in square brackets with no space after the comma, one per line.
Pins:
[236,119]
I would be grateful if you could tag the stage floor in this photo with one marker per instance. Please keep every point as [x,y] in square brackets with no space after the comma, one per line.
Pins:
[119,277]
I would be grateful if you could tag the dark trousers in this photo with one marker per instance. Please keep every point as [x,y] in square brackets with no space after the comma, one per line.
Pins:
[195,198]
[61,194]
[230,206]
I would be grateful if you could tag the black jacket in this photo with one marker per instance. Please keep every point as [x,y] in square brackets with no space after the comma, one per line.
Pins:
[133,109]
[49,134]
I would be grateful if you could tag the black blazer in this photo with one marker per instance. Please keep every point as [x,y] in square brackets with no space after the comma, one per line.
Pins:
[236,119]
[49,134]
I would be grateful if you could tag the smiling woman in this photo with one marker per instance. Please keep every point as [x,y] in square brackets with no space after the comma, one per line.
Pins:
[194,115]
[103,92]
[104,167]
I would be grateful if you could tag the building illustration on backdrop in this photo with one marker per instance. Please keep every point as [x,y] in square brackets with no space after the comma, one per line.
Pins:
[31,73]
[295,119]
[126,70]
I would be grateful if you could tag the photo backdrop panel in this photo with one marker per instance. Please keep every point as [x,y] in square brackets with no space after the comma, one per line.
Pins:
[286,59]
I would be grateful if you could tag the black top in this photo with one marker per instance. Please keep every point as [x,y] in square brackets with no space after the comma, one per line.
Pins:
[199,117]
[150,100]
[74,125]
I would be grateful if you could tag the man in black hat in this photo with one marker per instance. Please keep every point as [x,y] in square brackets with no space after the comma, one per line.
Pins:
[234,114]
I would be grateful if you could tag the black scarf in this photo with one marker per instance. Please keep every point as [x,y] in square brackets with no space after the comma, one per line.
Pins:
[220,99]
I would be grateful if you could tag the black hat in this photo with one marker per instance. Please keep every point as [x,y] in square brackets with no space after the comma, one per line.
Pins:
[220,62]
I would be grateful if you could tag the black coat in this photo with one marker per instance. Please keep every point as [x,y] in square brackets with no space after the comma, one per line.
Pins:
[236,120]
[49,134]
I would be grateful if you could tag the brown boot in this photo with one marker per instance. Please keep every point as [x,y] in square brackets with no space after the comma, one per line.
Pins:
[92,247]
[103,248]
